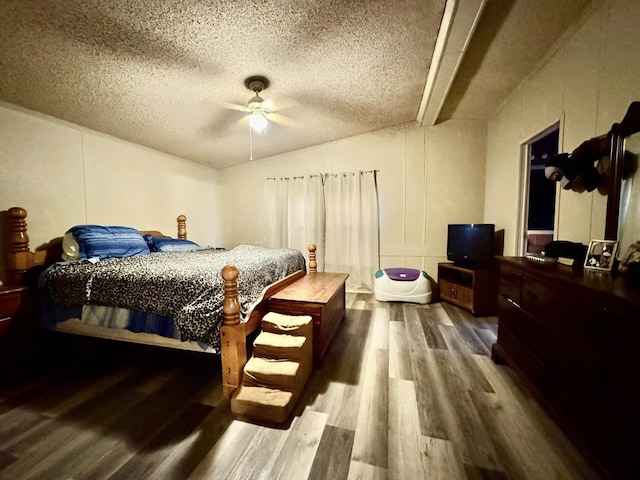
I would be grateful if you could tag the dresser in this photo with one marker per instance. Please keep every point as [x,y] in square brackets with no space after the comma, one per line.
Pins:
[572,335]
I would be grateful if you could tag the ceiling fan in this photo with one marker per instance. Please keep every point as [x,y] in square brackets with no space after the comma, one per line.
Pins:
[262,111]
[258,111]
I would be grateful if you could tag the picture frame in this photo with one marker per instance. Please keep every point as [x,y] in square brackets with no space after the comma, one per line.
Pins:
[601,255]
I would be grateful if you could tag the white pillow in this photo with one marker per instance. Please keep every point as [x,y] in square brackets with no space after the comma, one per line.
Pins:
[70,248]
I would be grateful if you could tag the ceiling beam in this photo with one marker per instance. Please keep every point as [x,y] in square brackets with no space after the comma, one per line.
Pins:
[459,21]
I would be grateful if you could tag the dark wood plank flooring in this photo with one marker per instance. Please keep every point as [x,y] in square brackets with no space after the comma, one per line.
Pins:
[405,392]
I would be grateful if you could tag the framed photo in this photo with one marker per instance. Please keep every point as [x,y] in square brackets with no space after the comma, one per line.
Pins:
[601,255]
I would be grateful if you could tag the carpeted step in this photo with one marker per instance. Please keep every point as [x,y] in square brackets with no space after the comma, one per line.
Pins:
[297,325]
[263,404]
[275,376]
[280,374]
[281,347]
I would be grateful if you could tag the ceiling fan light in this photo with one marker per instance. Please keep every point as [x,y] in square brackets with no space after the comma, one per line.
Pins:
[258,122]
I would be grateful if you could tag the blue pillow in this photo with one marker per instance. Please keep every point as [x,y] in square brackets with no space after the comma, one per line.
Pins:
[167,244]
[107,242]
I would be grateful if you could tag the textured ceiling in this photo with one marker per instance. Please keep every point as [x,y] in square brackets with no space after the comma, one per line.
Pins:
[163,73]
[510,39]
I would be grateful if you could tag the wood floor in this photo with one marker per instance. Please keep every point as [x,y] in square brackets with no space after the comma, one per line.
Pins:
[405,392]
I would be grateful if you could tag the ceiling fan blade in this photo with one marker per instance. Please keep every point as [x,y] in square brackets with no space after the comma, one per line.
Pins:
[279,102]
[235,106]
[241,122]
[281,119]
[221,122]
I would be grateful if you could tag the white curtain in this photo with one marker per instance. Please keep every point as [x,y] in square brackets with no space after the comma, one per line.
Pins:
[352,232]
[337,212]
[276,194]
[296,214]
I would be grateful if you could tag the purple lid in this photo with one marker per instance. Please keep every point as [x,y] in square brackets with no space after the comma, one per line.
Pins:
[402,274]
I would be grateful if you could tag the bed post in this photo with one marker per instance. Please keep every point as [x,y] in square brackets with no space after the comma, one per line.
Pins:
[233,334]
[313,265]
[19,258]
[182,227]
[231,305]
[233,346]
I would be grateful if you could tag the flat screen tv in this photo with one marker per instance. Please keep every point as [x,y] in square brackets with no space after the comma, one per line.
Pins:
[470,245]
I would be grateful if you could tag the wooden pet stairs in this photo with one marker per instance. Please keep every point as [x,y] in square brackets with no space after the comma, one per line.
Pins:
[275,375]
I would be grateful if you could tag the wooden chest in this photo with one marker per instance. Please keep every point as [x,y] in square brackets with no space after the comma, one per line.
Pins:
[321,295]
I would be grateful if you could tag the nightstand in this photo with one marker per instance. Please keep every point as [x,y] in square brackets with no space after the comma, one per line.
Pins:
[10,300]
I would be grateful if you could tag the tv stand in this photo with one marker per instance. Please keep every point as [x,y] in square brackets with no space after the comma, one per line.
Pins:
[473,289]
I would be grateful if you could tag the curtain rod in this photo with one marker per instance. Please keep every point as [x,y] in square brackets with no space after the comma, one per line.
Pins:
[324,174]
[289,178]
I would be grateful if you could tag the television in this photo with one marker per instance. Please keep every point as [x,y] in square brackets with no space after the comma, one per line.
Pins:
[470,245]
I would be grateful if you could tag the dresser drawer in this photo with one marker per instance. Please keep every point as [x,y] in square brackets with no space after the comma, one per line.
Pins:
[561,310]
[616,327]
[455,293]
[539,298]
[542,378]
[510,284]
[9,304]
[541,341]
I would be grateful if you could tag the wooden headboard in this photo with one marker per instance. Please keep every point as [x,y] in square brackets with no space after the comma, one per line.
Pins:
[20,259]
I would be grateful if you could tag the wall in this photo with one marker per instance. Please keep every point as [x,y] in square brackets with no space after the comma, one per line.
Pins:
[65,175]
[427,179]
[586,84]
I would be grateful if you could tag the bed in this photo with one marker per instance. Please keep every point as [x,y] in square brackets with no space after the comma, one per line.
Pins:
[216,298]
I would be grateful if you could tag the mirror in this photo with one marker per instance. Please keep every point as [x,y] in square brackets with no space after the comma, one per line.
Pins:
[629,215]
[623,205]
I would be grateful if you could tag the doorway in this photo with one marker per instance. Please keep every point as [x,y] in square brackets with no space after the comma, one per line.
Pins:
[539,192]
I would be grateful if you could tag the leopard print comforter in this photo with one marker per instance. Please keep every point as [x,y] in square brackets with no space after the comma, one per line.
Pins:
[186,286]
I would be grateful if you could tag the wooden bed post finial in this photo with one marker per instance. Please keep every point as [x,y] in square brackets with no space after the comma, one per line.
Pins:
[18,238]
[313,265]
[19,258]
[231,305]
[182,227]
